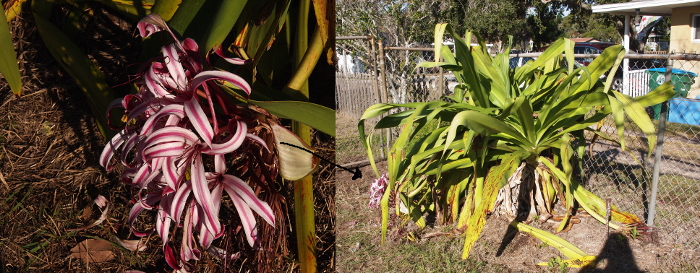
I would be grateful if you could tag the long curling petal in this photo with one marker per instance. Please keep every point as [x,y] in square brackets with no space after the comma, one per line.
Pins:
[235,186]
[220,75]
[201,192]
[199,120]
[172,61]
[247,219]
[113,145]
[231,143]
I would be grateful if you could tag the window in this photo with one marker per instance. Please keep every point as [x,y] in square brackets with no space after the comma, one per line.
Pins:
[695,29]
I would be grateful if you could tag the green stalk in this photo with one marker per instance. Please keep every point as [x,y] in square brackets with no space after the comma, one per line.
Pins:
[303,189]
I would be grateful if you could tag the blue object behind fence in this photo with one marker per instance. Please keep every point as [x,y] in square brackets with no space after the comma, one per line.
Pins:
[684,111]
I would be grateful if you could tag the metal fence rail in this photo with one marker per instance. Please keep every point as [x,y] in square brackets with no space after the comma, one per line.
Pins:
[668,199]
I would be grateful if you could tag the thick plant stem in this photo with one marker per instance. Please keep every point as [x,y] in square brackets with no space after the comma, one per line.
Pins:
[304,212]
[303,189]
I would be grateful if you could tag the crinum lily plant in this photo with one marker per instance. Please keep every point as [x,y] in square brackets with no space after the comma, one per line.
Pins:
[508,141]
[181,143]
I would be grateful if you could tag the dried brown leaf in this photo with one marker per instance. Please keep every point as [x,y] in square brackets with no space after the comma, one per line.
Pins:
[93,251]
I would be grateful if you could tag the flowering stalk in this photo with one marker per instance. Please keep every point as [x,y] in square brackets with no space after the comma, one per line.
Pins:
[179,133]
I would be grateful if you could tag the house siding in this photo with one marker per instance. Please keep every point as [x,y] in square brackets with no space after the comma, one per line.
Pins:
[681,41]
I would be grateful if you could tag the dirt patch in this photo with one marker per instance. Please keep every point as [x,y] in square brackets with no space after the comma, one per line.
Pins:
[499,249]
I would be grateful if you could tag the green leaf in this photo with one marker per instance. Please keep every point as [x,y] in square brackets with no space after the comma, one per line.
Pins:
[319,117]
[166,8]
[8,59]
[485,125]
[660,94]
[618,115]
[636,112]
[224,19]
[184,14]
[132,8]
[88,76]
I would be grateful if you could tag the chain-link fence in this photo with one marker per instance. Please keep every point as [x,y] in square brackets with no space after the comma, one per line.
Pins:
[357,88]
[664,189]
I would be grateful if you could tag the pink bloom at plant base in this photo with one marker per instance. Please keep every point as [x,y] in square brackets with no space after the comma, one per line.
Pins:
[376,190]
[172,128]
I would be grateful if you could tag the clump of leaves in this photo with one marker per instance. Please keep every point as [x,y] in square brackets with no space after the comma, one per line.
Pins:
[507,140]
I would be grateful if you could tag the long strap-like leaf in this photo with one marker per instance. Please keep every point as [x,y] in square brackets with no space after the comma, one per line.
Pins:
[8,59]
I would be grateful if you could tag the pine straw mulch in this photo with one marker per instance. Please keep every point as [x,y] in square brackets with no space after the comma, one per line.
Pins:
[49,170]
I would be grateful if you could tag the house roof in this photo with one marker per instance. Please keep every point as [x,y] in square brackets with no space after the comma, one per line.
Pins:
[645,7]
[583,40]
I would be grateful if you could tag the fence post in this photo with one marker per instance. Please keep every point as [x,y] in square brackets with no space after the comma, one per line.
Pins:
[382,88]
[441,78]
[375,78]
[659,151]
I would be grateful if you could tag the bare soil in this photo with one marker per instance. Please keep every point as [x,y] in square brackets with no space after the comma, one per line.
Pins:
[500,248]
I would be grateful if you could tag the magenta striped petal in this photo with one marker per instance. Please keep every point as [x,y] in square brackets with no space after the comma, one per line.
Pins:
[205,236]
[145,108]
[216,196]
[180,202]
[113,145]
[199,120]
[258,140]
[190,46]
[127,174]
[141,234]
[171,134]
[231,143]
[201,192]
[168,149]
[170,257]
[171,174]
[143,176]
[163,226]
[168,110]
[136,209]
[220,75]
[247,218]
[234,186]
[169,84]
[153,82]
[219,165]
[128,150]
[237,61]
[150,24]
[186,251]
[172,61]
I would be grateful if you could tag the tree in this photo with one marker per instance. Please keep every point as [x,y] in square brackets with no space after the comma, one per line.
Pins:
[543,22]
[493,20]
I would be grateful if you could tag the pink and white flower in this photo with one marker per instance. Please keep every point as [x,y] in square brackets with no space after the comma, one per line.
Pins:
[376,190]
[173,125]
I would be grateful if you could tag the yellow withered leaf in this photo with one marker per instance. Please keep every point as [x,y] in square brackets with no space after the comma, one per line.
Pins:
[584,261]
[295,162]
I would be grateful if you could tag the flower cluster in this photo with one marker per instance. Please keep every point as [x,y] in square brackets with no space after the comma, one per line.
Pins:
[376,190]
[174,145]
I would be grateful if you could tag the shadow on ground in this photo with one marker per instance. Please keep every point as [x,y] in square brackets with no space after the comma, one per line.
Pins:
[616,256]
